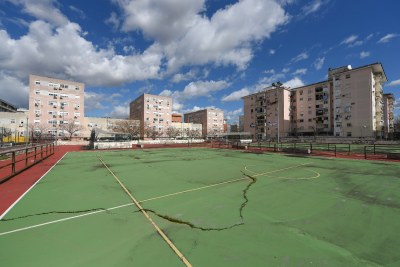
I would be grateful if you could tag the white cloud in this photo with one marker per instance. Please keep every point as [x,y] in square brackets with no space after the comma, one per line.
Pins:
[232,116]
[313,7]
[319,62]
[203,88]
[272,51]
[299,57]
[270,71]
[387,38]
[350,39]
[364,54]
[294,83]
[236,95]
[184,76]
[285,70]
[100,101]
[300,72]
[394,83]
[194,90]
[43,10]
[46,50]
[120,111]
[189,38]
[78,11]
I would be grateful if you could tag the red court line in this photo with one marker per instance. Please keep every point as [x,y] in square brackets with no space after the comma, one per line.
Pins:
[11,190]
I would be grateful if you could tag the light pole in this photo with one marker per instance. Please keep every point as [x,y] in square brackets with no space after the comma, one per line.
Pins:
[27,132]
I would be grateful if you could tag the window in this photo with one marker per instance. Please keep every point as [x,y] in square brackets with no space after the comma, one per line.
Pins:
[348,134]
[12,121]
[301,99]
[37,82]
[347,76]
[301,92]
[309,120]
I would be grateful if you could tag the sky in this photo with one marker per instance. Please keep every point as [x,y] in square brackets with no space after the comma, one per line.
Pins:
[201,53]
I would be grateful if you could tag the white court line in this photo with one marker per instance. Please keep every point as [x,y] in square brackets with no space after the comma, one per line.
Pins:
[117,207]
[64,219]
[26,192]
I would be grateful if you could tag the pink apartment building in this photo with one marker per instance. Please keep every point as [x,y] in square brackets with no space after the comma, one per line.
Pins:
[212,120]
[54,102]
[153,111]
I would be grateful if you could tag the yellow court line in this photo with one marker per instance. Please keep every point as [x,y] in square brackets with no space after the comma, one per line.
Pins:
[194,189]
[158,229]
[291,167]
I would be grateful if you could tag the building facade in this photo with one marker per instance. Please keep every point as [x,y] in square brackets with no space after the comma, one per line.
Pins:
[350,103]
[188,130]
[176,117]
[13,127]
[388,115]
[54,103]
[211,119]
[310,110]
[7,107]
[266,113]
[153,111]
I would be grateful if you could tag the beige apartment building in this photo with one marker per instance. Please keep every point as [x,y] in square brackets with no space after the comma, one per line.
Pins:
[153,111]
[358,100]
[54,102]
[388,115]
[266,113]
[211,119]
[310,109]
[350,103]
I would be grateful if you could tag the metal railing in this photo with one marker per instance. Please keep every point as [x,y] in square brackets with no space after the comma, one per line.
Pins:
[15,161]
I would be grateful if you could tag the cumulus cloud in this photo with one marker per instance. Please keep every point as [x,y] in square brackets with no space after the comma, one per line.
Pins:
[236,95]
[178,77]
[190,38]
[63,50]
[294,83]
[387,38]
[43,10]
[394,83]
[194,90]
[120,111]
[364,54]
[232,116]
[319,62]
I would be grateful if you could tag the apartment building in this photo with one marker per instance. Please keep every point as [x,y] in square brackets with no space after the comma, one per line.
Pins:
[357,99]
[153,111]
[310,109]
[350,103]
[211,119]
[54,102]
[388,115]
[266,113]
[104,126]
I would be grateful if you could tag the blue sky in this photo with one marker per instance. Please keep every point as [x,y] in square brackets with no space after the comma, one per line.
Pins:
[201,53]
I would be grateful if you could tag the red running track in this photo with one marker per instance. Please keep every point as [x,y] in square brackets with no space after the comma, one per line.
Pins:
[14,188]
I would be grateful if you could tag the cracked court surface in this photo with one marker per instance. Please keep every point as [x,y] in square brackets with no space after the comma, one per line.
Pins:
[218,207]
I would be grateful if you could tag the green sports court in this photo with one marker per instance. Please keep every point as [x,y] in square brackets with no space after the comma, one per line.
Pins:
[206,207]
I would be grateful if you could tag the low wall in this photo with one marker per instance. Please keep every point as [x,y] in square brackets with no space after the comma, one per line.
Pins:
[114,145]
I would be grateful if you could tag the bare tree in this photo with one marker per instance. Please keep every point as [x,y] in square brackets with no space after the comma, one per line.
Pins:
[5,133]
[172,132]
[151,132]
[129,127]
[37,131]
[193,133]
[71,127]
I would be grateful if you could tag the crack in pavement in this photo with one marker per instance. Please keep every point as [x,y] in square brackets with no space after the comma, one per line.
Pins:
[191,225]
[52,212]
